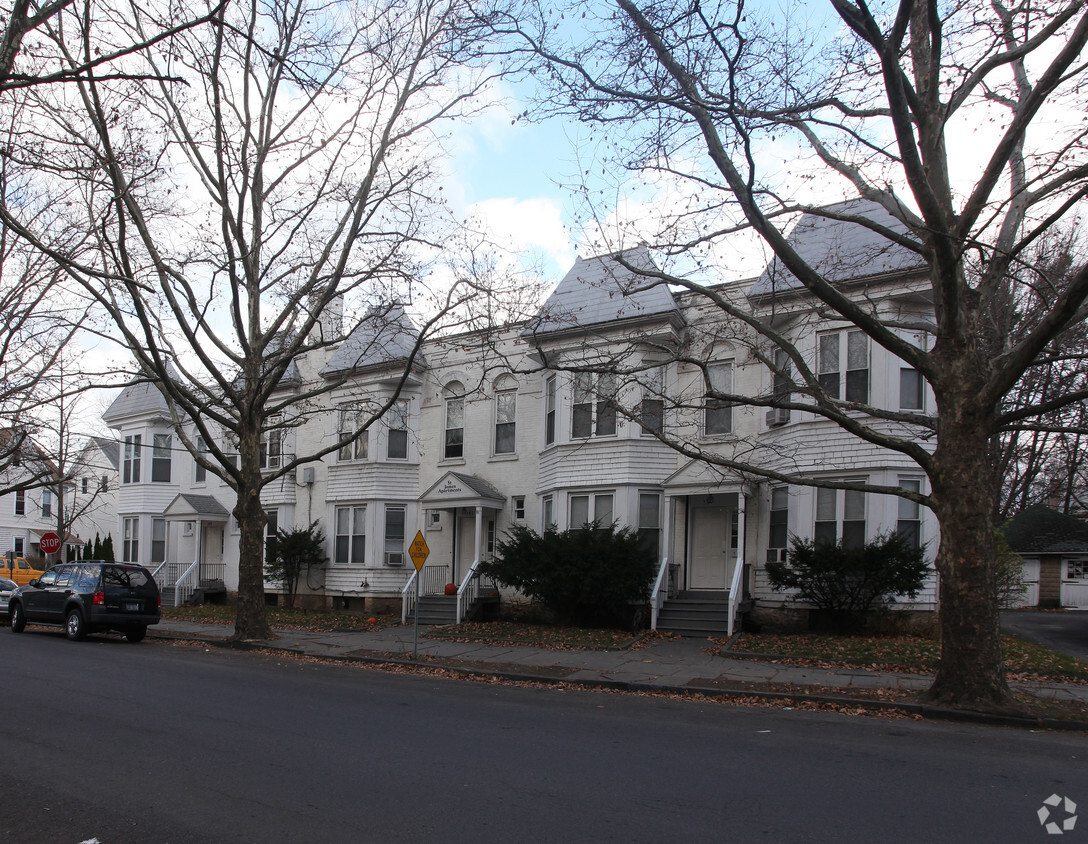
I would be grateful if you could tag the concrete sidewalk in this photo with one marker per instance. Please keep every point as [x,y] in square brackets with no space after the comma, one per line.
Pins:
[675,665]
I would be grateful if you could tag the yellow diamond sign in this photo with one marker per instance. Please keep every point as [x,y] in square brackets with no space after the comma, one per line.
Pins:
[418,550]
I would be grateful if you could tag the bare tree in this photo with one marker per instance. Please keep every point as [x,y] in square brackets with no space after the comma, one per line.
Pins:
[700,94]
[295,175]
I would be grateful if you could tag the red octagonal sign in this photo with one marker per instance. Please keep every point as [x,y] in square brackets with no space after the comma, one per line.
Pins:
[50,543]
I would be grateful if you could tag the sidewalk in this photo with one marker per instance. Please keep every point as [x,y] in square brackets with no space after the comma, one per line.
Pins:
[664,665]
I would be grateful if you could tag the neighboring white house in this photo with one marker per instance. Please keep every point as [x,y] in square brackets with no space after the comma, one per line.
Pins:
[495,429]
[91,494]
[29,509]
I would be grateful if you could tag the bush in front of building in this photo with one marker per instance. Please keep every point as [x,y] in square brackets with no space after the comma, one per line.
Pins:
[594,575]
[292,553]
[847,583]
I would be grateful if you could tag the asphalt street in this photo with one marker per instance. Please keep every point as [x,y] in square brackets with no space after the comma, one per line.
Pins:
[1065,631]
[159,742]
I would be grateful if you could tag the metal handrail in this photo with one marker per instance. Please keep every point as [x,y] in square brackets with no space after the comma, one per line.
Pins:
[468,591]
[735,594]
[657,600]
[408,598]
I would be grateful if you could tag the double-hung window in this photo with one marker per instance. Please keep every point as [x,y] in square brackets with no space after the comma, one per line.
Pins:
[718,413]
[130,539]
[200,474]
[840,514]
[851,346]
[594,507]
[594,409]
[349,542]
[349,422]
[909,523]
[649,522]
[158,540]
[455,428]
[47,503]
[911,389]
[506,405]
[394,534]
[160,458]
[780,519]
[20,502]
[130,461]
[271,445]
[549,410]
[397,421]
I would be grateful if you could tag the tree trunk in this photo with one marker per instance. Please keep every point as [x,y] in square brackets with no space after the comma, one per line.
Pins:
[251,621]
[971,673]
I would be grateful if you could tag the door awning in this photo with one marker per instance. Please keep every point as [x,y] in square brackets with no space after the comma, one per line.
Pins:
[187,508]
[456,490]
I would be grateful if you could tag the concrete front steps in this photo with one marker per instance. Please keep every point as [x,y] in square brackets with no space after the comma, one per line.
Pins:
[696,614]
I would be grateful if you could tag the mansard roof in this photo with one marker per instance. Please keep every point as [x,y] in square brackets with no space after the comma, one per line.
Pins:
[142,398]
[385,335]
[600,290]
[1041,530]
[839,250]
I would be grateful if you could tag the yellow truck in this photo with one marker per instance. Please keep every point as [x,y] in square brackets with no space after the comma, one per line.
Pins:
[19,570]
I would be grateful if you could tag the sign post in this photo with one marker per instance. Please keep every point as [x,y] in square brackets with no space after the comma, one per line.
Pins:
[419,552]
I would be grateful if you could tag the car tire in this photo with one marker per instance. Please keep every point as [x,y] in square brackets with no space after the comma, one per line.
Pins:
[136,634]
[74,625]
[18,618]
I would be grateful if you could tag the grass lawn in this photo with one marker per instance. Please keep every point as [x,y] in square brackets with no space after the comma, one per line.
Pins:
[317,621]
[905,654]
[544,635]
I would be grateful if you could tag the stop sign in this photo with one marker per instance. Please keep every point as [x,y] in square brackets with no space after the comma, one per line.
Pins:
[50,543]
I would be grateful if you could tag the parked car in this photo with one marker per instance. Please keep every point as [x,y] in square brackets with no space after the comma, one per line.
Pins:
[19,569]
[7,586]
[89,597]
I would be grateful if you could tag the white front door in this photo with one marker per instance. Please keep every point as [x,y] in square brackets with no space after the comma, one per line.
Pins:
[466,546]
[213,545]
[712,557]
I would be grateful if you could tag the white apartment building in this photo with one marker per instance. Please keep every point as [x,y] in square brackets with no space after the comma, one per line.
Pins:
[493,429]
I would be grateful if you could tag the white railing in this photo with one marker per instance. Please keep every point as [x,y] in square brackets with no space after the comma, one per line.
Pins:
[435,579]
[408,598]
[185,585]
[468,592]
[661,588]
[735,594]
[158,576]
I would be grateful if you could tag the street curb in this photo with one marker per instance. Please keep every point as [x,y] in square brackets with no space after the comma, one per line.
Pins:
[935,713]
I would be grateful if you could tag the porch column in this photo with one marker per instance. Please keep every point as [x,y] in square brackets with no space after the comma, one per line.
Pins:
[479,532]
[199,539]
[741,509]
[666,528]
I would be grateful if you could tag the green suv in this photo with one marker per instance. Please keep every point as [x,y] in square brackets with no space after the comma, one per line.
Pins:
[89,597]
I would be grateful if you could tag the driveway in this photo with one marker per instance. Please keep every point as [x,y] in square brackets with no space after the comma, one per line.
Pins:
[1064,631]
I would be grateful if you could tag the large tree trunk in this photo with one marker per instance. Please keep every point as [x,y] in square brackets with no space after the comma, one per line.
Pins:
[971,672]
[251,622]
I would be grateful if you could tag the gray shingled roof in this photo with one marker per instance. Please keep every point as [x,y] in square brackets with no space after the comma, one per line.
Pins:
[841,251]
[110,448]
[1040,530]
[135,399]
[201,505]
[385,335]
[600,290]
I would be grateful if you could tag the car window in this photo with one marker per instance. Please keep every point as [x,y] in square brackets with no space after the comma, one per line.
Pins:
[88,578]
[127,577]
[48,579]
[23,564]
[64,575]
[7,585]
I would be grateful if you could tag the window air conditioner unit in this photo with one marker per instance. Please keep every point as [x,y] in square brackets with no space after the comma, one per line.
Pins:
[777,417]
[392,559]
